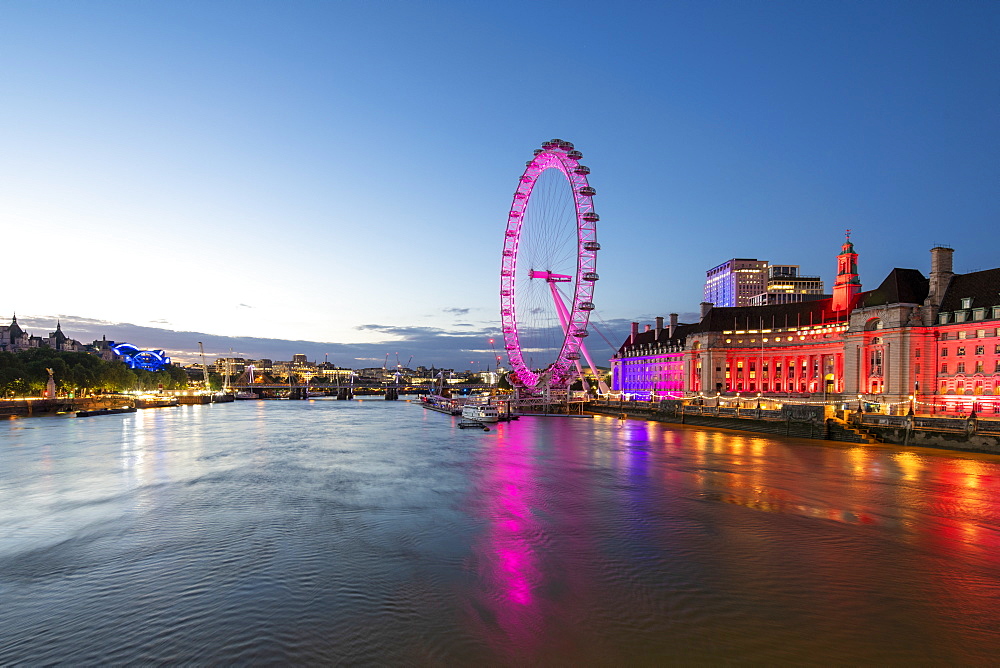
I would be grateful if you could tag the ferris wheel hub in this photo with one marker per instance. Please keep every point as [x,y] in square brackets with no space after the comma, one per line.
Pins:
[550,277]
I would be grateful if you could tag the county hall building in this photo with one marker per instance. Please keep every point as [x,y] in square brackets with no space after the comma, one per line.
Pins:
[933,342]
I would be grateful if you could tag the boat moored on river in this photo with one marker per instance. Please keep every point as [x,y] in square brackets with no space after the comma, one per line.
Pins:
[481,412]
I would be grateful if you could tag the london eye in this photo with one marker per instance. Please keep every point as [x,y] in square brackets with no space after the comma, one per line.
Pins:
[549,269]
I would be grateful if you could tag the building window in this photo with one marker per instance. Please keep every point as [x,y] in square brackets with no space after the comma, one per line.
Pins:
[944,352]
[996,311]
[996,369]
[980,350]
[961,351]
[942,318]
[979,367]
[961,368]
[963,335]
[980,333]
[916,353]
[944,368]
[966,302]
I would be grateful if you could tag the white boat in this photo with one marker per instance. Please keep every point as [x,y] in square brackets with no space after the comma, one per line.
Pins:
[246,395]
[481,412]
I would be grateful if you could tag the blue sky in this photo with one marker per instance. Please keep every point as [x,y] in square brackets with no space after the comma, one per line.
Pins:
[341,171]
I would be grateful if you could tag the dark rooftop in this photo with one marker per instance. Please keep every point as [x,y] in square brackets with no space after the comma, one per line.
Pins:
[901,286]
[769,317]
[680,333]
[982,286]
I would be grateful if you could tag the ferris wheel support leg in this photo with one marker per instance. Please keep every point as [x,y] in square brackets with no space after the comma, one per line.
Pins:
[564,320]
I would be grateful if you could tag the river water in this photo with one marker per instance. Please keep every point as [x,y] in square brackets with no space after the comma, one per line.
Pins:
[373,532]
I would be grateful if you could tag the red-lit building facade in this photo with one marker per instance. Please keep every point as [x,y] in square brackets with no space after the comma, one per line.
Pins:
[933,342]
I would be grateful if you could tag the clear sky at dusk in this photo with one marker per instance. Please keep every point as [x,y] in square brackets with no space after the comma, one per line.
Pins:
[341,171]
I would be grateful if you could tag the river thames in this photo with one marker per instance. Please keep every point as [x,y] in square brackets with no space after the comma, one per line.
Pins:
[373,532]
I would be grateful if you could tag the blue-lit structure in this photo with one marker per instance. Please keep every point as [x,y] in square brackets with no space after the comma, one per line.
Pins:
[148,360]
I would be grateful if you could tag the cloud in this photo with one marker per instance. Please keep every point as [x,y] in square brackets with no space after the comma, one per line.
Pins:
[456,311]
[245,306]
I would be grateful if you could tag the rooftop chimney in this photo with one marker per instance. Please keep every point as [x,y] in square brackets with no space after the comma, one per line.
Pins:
[645,330]
[705,308]
[659,326]
[940,278]
[673,324]
[635,334]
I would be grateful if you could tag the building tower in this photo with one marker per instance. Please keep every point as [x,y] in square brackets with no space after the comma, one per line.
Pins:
[847,286]
[735,281]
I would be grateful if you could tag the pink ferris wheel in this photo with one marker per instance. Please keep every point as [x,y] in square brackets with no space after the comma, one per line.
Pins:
[548,269]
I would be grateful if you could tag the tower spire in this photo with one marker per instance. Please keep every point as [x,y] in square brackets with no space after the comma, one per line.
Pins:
[847,287]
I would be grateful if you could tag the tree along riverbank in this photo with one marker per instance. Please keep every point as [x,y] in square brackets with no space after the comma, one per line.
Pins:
[26,373]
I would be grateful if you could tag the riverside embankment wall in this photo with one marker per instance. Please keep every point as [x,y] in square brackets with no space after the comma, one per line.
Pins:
[38,407]
[812,422]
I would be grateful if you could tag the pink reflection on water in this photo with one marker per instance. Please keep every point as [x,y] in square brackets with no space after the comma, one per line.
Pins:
[506,557]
